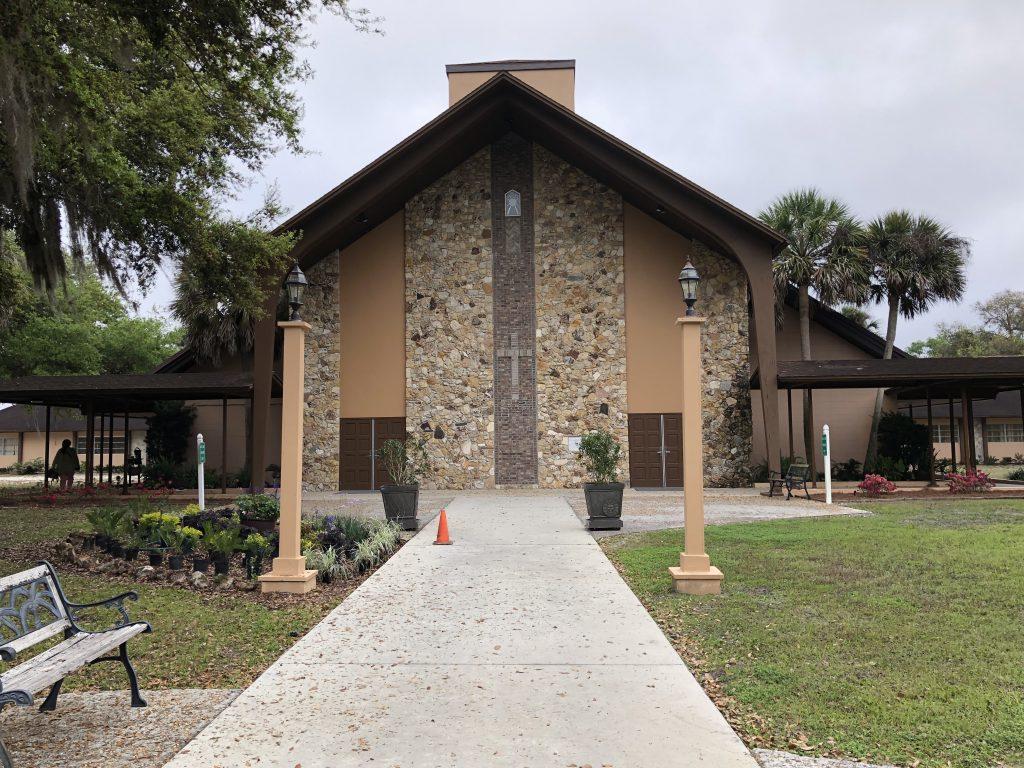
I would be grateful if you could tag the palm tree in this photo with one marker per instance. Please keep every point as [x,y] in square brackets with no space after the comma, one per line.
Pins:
[824,255]
[915,261]
[859,316]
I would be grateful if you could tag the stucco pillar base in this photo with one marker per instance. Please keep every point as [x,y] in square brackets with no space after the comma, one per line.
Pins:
[700,582]
[290,575]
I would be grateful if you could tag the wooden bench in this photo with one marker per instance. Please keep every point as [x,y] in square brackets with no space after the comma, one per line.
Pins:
[34,609]
[796,477]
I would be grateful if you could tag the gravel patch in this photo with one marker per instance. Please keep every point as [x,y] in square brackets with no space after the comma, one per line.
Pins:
[100,730]
[770,758]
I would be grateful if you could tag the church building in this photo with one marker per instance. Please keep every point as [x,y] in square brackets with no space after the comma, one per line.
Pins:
[505,280]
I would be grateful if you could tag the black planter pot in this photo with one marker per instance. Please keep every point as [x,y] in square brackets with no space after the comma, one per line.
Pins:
[131,553]
[221,565]
[116,549]
[176,562]
[400,505]
[604,506]
[156,559]
[200,564]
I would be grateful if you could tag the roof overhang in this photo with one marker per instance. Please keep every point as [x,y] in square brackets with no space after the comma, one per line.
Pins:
[906,377]
[127,392]
[502,104]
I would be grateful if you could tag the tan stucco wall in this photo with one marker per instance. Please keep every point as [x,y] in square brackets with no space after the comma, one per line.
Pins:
[654,254]
[372,295]
[208,422]
[846,411]
[558,84]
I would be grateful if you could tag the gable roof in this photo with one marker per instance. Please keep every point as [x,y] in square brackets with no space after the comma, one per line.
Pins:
[505,103]
[849,330]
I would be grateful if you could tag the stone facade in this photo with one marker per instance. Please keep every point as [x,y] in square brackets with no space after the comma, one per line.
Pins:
[449,335]
[726,357]
[581,316]
[321,426]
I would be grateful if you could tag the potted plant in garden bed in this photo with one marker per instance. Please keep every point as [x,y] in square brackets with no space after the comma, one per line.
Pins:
[405,462]
[180,541]
[259,511]
[599,451]
[220,544]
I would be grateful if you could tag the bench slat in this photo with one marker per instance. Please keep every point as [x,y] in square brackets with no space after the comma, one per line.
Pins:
[19,644]
[42,671]
[24,577]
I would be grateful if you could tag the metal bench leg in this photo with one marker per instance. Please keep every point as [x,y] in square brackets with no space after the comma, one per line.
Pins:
[133,680]
[5,759]
[51,698]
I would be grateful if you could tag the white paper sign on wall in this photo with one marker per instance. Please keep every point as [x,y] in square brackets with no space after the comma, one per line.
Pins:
[574,444]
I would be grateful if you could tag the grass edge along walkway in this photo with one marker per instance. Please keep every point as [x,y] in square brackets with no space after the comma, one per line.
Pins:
[890,638]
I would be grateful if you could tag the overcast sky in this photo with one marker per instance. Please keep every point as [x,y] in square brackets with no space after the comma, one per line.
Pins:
[881,104]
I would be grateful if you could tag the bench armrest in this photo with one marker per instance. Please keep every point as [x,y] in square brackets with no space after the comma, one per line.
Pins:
[7,654]
[117,602]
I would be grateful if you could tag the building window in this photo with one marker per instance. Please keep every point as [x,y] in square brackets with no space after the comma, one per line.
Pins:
[104,447]
[1004,433]
[513,203]
[940,433]
[8,446]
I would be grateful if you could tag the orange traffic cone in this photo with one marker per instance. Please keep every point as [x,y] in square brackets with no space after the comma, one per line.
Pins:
[442,530]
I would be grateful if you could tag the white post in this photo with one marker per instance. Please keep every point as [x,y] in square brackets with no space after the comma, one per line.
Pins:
[201,452]
[826,448]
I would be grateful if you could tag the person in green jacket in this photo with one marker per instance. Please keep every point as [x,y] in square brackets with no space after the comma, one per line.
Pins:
[65,464]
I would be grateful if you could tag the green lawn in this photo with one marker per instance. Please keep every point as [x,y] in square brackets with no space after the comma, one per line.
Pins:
[199,640]
[894,638]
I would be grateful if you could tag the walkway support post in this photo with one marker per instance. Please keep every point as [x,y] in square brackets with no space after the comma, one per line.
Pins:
[952,436]
[289,573]
[695,575]
[46,453]
[126,444]
[90,441]
[931,456]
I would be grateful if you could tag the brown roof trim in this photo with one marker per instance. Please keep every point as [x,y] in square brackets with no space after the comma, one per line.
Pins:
[124,391]
[502,104]
[942,374]
[511,65]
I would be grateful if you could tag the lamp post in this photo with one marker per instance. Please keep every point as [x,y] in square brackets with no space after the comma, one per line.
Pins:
[694,575]
[289,573]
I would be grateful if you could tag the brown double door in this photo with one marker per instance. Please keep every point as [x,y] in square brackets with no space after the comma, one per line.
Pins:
[359,469]
[656,450]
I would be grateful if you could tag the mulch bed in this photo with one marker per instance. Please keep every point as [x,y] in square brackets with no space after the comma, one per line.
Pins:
[70,557]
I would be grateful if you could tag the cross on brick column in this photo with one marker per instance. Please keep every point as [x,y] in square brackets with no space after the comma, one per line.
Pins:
[514,352]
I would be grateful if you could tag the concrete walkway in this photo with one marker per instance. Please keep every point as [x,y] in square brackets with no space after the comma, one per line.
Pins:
[518,646]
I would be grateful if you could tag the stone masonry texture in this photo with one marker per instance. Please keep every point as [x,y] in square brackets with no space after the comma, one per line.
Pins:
[449,337]
[581,316]
[726,356]
[321,426]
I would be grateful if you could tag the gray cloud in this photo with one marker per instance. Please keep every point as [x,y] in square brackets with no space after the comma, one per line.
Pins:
[883,104]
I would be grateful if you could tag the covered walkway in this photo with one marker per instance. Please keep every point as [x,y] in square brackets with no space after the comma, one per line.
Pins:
[519,645]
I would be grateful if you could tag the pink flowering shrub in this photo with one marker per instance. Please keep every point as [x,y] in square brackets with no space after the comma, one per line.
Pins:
[969,482]
[876,485]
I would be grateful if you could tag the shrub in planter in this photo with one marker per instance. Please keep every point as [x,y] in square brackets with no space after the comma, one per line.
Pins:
[405,461]
[876,485]
[599,452]
[259,510]
[256,548]
[220,544]
[181,541]
[1016,474]
[969,482]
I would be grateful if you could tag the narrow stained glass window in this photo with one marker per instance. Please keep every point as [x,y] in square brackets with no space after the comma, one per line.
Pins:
[513,205]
